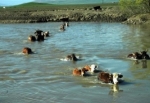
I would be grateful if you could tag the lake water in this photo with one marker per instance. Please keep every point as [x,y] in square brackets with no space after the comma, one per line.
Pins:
[43,78]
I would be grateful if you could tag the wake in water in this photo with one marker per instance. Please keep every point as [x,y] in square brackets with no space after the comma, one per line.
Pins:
[18,53]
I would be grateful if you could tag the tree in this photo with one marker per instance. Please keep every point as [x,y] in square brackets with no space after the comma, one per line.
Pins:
[128,6]
[135,6]
[144,3]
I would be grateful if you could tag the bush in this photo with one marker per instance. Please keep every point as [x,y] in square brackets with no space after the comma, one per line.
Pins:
[135,6]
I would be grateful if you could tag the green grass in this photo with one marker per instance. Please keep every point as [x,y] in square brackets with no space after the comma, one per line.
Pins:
[45,6]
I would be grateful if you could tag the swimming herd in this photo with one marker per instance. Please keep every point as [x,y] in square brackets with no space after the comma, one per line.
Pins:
[87,70]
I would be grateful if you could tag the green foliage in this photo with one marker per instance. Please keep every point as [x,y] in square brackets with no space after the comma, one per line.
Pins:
[144,4]
[135,6]
[125,4]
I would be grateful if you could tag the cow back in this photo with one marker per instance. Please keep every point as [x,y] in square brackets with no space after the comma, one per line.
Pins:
[105,77]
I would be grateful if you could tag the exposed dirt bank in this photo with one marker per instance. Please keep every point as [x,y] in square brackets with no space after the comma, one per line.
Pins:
[139,19]
[109,14]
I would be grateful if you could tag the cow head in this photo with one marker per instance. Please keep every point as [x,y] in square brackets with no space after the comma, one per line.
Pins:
[39,35]
[74,58]
[32,38]
[144,55]
[93,67]
[38,32]
[27,50]
[115,77]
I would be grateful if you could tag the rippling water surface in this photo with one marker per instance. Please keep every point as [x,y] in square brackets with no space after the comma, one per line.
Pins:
[43,78]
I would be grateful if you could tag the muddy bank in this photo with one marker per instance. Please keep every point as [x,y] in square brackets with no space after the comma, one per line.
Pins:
[107,15]
[138,19]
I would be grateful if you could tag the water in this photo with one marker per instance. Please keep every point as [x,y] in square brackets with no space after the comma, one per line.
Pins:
[43,78]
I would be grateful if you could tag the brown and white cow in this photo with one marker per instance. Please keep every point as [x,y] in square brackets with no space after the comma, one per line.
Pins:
[79,72]
[91,68]
[109,78]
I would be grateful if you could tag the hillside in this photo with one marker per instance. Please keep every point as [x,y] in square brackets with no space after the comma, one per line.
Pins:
[46,6]
[76,1]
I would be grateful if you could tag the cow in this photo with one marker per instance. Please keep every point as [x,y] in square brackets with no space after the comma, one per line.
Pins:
[79,72]
[139,55]
[27,50]
[144,55]
[134,55]
[32,38]
[91,68]
[97,8]
[46,34]
[109,78]
[39,35]
[71,57]
[65,21]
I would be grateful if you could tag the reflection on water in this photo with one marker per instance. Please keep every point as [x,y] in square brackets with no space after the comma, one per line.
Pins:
[43,77]
[140,69]
[142,62]
[115,90]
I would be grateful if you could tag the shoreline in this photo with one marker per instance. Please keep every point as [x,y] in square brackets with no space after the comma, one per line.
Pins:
[107,14]
[56,15]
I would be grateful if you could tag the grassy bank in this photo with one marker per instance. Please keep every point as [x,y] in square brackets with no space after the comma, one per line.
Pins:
[43,12]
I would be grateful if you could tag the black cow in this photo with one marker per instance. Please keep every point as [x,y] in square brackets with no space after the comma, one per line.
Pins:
[32,38]
[65,21]
[144,55]
[139,55]
[39,35]
[97,8]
